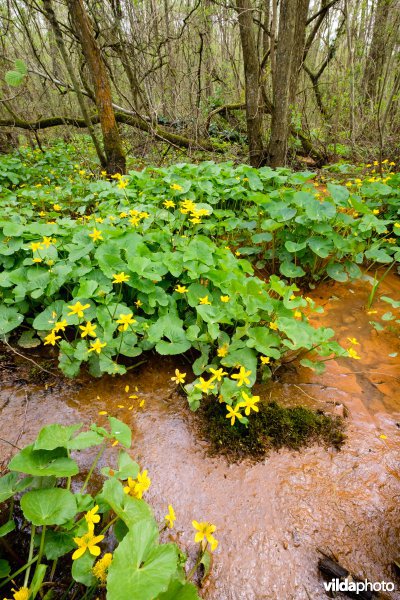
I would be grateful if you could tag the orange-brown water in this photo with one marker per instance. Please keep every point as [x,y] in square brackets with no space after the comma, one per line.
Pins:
[273,517]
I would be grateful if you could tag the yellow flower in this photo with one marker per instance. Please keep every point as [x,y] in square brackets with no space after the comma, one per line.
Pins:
[120,277]
[383,436]
[353,354]
[122,184]
[205,386]
[37,260]
[176,186]
[100,568]
[181,289]
[217,374]
[88,329]
[250,403]
[36,246]
[242,377]
[137,487]
[92,518]
[179,377]
[21,594]
[77,309]
[224,298]
[125,320]
[204,300]
[223,350]
[170,518]
[265,360]
[82,172]
[60,326]
[138,303]
[89,542]
[103,173]
[205,530]
[47,241]
[51,338]
[233,413]
[375,211]
[96,346]
[169,204]
[297,314]
[95,235]
[397,225]
[353,340]
[57,207]
[273,325]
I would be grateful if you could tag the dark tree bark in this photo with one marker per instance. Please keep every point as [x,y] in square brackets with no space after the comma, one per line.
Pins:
[289,56]
[254,113]
[116,162]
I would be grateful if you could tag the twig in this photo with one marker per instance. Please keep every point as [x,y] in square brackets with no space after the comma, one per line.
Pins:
[27,358]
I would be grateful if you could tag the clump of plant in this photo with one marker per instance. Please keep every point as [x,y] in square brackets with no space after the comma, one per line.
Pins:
[272,426]
[81,543]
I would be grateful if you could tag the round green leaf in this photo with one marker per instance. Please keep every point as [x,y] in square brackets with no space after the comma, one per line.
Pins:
[49,506]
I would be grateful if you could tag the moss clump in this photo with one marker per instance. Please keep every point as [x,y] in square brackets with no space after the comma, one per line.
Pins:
[273,427]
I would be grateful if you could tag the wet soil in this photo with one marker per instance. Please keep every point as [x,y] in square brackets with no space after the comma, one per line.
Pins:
[273,516]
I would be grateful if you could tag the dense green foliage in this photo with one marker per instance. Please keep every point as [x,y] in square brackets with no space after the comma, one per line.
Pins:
[67,523]
[170,259]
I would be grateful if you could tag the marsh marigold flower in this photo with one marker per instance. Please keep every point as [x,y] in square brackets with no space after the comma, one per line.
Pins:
[181,289]
[137,487]
[233,413]
[97,346]
[179,377]
[89,542]
[125,320]
[250,403]
[242,377]
[217,374]
[100,568]
[170,518]
[204,300]
[353,354]
[51,338]
[223,350]
[176,186]
[77,309]
[88,329]
[205,531]
[21,594]
[265,360]
[95,235]
[91,517]
[120,277]
[205,386]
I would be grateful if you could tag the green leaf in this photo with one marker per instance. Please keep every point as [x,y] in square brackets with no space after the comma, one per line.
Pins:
[7,528]
[130,510]
[121,432]
[55,436]
[178,590]
[57,543]
[7,486]
[82,569]
[86,439]
[10,319]
[48,507]
[140,568]
[14,78]
[44,462]
[289,269]
[20,66]
[5,568]
[337,272]
[320,246]
[27,339]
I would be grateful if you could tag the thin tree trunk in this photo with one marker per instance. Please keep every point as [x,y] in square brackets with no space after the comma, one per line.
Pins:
[252,83]
[48,7]
[112,141]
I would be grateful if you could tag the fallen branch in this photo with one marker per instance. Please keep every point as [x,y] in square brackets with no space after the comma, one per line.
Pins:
[133,121]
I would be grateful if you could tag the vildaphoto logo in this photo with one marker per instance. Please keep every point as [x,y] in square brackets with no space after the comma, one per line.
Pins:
[349,585]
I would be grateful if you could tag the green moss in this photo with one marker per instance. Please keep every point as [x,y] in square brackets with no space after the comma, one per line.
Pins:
[273,427]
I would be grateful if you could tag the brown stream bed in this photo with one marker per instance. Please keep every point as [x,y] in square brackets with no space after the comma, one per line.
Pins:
[273,517]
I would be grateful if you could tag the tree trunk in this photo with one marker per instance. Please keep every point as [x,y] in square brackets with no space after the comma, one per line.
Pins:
[112,141]
[254,113]
[289,55]
[378,49]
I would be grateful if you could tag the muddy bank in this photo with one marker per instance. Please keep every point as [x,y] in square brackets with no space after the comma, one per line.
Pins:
[271,516]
